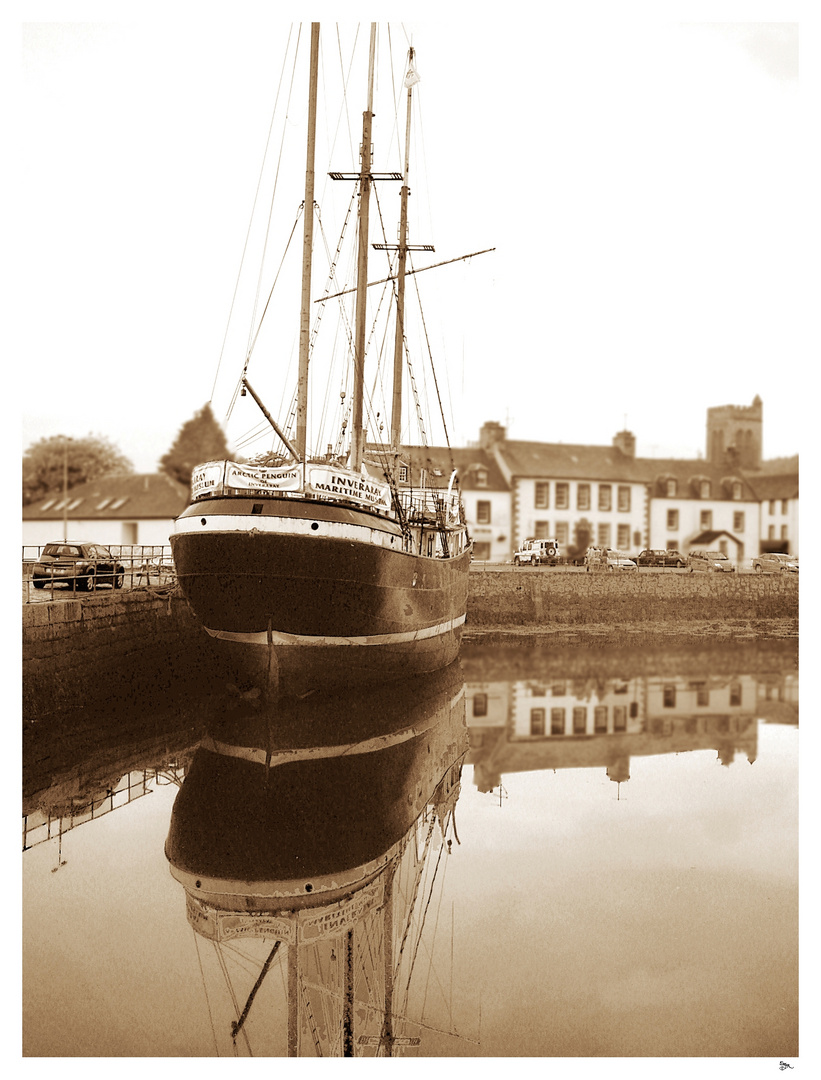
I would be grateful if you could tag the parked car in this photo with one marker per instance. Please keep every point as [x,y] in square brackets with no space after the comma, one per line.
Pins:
[709,561]
[79,564]
[657,557]
[775,562]
[608,559]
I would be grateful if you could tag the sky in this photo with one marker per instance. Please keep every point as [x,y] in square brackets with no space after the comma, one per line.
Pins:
[637,175]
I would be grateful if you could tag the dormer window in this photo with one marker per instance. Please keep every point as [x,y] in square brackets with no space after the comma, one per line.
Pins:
[403,474]
[736,490]
[672,488]
[481,478]
[704,489]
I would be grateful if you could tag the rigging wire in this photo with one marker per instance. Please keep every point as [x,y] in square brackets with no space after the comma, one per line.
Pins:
[251,217]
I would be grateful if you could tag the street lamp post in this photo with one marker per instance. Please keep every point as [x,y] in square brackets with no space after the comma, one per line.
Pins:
[65,490]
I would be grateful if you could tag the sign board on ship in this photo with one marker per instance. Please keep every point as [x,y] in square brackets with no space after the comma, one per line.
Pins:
[349,485]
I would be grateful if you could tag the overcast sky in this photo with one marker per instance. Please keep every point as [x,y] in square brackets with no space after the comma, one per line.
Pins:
[638,179]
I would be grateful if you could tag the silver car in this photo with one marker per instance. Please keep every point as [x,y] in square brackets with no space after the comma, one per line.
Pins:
[775,562]
[709,562]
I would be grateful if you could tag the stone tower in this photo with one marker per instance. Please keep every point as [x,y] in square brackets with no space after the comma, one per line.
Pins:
[735,434]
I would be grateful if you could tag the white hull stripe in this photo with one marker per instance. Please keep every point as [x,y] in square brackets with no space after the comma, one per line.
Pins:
[314,753]
[277,638]
[286,526]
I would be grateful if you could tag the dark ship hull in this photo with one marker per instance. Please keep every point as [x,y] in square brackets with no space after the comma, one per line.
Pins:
[311,814]
[318,592]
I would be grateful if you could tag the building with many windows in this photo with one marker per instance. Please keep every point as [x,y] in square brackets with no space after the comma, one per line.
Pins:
[605,496]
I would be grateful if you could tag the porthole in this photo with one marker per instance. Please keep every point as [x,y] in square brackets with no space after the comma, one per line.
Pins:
[309,887]
[314,525]
[202,521]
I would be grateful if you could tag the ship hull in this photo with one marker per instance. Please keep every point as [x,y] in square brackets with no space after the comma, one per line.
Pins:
[317,593]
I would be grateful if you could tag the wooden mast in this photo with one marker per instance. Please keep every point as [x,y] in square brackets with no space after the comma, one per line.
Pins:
[398,348]
[307,248]
[357,430]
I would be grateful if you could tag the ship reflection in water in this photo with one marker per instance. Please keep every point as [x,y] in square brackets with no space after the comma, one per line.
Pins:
[616,856]
[319,825]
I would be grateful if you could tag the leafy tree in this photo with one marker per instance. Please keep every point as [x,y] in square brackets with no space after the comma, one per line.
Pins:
[199,439]
[86,459]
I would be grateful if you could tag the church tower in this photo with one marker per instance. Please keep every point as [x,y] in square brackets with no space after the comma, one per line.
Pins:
[735,434]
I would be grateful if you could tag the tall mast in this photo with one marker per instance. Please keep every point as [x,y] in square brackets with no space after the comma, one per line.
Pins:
[307,248]
[357,430]
[398,348]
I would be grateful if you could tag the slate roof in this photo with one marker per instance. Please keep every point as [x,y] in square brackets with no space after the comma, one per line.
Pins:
[468,461]
[135,496]
[768,486]
[571,461]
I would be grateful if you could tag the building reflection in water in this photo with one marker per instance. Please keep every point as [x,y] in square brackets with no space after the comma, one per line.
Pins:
[582,723]
[308,837]
[310,843]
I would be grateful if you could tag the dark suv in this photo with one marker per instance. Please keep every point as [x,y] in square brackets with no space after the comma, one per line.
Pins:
[80,565]
[657,557]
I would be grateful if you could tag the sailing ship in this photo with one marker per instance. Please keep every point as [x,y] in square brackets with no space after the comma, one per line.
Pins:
[308,838]
[330,566]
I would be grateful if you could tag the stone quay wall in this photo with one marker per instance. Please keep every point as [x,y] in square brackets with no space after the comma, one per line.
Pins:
[551,598]
[113,647]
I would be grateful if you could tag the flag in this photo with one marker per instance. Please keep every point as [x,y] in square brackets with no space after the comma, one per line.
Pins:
[412,76]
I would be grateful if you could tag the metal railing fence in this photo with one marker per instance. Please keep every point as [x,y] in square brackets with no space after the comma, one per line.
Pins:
[143,566]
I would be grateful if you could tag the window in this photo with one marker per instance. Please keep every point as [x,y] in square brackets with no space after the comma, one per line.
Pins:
[579,720]
[118,503]
[563,533]
[537,721]
[562,496]
[430,546]
[738,521]
[704,489]
[542,495]
[605,497]
[735,693]
[481,477]
[600,719]
[702,693]
[672,489]
[403,474]
[772,506]
[129,532]
[771,532]
[672,519]
[669,697]
[583,497]
[783,532]
[558,689]
[706,519]
[624,497]
[540,530]
[603,534]
[736,490]
[481,551]
[623,536]
[483,512]
[557,721]
[783,506]
[480,704]
[672,545]
[620,718]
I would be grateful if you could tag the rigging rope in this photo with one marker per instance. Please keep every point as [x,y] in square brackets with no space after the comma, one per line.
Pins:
[251,218]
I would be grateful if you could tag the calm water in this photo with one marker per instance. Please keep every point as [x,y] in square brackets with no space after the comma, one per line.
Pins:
[559,853]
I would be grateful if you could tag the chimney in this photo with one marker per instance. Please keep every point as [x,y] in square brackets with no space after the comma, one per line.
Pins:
[625,442]
[491,433]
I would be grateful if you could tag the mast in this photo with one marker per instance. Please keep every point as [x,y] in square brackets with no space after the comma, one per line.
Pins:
[396,408]
[357,431]
[307,248]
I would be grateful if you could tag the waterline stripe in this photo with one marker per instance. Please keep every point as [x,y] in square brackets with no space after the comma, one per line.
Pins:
[278,638]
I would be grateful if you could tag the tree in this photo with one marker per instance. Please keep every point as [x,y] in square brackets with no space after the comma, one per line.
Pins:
[200,439]
[46,462]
